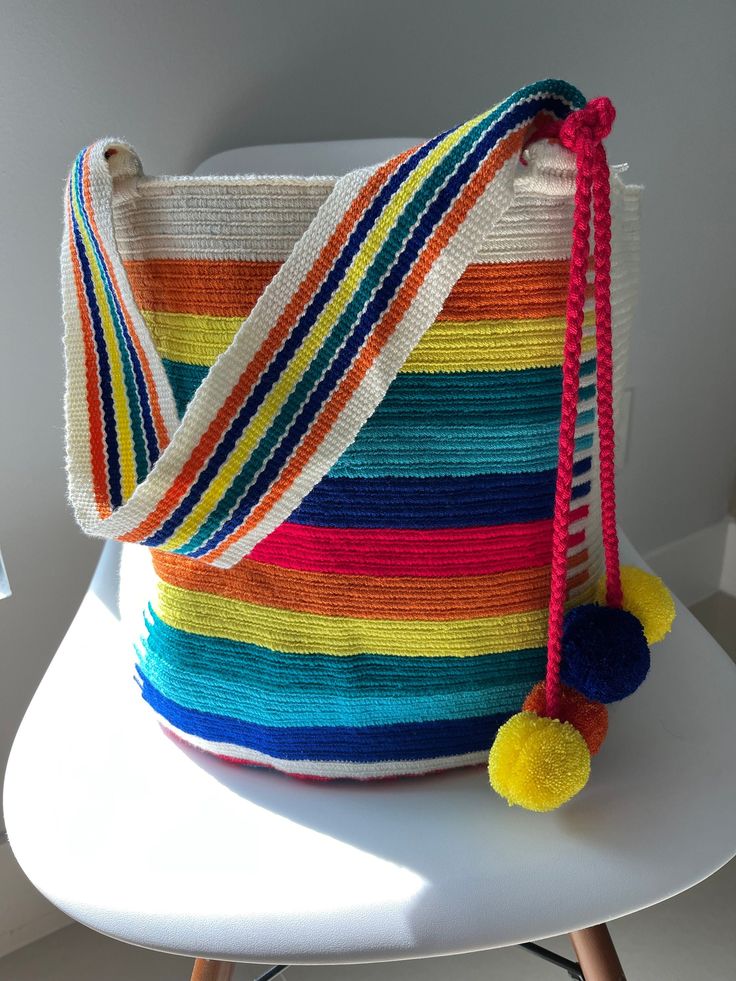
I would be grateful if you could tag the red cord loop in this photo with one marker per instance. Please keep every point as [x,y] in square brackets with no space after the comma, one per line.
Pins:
[592,124]
[582,132]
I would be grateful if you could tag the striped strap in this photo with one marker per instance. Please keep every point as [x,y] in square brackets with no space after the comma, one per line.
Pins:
[309,364]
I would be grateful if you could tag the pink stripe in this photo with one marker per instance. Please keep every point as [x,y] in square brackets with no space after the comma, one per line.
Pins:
[401,552]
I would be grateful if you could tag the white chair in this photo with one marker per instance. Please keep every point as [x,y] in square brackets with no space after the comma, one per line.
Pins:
[165,847]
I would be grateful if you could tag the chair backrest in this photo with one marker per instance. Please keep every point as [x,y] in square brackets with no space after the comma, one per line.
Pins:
[329,158]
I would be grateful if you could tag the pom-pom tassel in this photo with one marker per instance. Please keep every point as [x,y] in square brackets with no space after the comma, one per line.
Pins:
[589,718]
[605,654]
[541,756]
[647,598]
[537,762]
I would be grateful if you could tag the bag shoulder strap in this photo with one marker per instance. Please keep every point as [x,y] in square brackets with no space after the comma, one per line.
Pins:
[307,367]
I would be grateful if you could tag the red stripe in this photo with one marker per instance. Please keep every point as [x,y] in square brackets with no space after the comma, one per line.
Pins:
[407,552]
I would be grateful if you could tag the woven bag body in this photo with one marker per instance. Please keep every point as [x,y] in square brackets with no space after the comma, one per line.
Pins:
[399,615]
[328,413]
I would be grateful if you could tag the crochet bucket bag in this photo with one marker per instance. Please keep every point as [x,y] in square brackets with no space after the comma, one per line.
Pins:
[362,430]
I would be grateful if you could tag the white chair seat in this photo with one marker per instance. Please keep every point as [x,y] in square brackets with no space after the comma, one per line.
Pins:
[164,847]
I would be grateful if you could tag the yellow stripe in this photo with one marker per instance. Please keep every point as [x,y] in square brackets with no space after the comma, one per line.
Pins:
[492,345]
[447,346]
[123,426]
[278,395]
[191,338]
[309,633]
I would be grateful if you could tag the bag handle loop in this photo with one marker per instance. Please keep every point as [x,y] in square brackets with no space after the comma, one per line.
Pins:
[308,366]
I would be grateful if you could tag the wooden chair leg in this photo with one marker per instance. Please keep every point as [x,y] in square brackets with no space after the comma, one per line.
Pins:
[205,970]
[596,954]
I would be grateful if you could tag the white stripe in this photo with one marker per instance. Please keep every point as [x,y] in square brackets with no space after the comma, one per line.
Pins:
[255,219]
[334,769]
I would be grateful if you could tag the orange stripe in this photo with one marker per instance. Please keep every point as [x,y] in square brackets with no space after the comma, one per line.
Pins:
[380,336]
[371,597]
[214,287]
[509,291]
[230,288]
[257,365]
[400,598]
[575,560]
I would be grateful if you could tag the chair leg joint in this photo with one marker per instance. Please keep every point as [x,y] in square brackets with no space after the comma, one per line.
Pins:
[572,967]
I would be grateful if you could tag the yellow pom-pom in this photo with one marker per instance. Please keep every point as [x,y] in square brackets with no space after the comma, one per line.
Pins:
[538,763]
[647,597]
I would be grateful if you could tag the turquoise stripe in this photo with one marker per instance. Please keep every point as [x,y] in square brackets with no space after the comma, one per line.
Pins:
[353,744]
[510,392]
[184,379]
[267,687]
[435,445]
[435,449]
[526,396]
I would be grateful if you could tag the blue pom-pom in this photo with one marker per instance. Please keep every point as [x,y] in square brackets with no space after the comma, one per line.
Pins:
[605,654]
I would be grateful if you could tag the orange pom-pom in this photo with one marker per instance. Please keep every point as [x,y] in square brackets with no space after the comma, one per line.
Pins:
[588,717]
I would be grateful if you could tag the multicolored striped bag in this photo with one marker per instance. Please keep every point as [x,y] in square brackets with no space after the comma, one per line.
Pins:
[363,427]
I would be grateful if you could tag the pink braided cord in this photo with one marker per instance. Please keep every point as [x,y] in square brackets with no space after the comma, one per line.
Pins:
[582,132]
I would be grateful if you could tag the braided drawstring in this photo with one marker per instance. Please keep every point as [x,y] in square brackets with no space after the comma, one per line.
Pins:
[541,756]
[583,132]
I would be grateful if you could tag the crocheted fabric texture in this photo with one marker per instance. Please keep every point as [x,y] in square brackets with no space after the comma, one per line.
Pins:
[399,615]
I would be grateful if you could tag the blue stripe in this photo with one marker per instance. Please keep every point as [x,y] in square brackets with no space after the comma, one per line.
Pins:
[372,311]
[431,502]
[348,744]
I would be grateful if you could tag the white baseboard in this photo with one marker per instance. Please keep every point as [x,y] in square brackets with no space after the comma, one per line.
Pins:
[693,567]
[728,573]
[25,915]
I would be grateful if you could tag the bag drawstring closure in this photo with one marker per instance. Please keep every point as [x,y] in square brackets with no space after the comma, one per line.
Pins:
[583,132]
[541,756]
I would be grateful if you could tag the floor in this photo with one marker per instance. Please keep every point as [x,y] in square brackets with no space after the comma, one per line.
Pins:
[688,938]
[718,614]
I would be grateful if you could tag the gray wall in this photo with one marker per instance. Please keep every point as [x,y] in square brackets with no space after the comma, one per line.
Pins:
[183,80]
